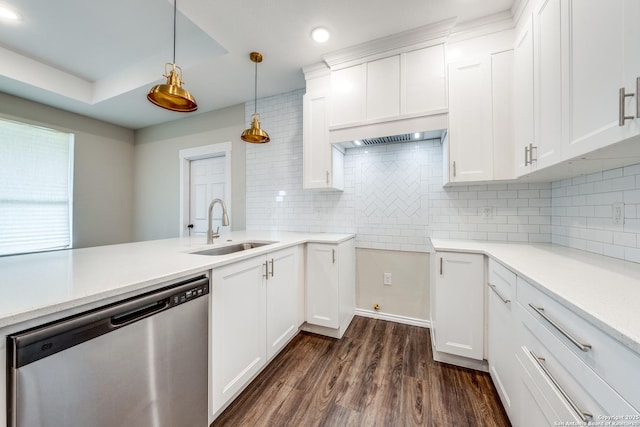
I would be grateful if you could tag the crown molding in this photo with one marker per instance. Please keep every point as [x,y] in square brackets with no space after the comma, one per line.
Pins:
[419,37]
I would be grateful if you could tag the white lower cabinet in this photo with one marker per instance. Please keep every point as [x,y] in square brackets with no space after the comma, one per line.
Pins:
[458,304]
[254,313]
[501,330]
[330,279]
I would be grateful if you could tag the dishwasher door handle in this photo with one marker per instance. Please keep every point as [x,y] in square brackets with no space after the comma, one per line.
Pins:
[136,314]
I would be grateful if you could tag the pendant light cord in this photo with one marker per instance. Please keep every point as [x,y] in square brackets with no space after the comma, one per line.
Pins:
[255,91]
[175,7]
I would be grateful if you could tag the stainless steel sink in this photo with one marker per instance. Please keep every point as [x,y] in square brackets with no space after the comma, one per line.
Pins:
[229,249]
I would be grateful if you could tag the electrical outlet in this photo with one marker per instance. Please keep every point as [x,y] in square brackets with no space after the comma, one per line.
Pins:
[618,213]
[387,279]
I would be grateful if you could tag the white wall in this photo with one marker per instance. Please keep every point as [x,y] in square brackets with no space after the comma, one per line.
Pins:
[583,213]
[103,170]
[157,169]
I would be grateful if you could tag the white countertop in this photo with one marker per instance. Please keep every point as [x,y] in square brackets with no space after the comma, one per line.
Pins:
[36,285]
[603,290]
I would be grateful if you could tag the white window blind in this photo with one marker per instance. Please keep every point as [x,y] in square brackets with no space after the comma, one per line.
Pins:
[36,188]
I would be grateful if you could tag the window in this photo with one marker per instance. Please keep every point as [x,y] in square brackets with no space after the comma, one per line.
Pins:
[36,188]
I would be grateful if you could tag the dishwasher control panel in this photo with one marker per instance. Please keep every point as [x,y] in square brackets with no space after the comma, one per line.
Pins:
[189,294]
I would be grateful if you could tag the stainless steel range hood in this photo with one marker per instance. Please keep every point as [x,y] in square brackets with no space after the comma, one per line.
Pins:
[395,139]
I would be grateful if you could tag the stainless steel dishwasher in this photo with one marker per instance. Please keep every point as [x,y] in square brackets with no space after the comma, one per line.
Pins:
[140,362]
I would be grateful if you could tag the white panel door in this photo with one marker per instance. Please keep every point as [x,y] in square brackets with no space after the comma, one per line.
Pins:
[322,277]
[383,88]
[470,123]
[348,95]
[207,182]
[425,85]
[600,34]
[459,304]
[282,298]
[238,345]
[317,150]
[547,48]
[523,111]
[502,114]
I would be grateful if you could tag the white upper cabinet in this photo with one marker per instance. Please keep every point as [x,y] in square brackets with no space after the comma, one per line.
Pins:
[389,87]
[603,56]
[470,121]
[425,89]
[348,95]
[547,50]
[383,88]
[323,164]
[523,114]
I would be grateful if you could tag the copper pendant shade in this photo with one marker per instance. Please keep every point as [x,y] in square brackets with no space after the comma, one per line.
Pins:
[255,134]
[171,95]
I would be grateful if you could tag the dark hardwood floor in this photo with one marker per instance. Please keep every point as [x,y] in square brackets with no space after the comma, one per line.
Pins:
[379,374]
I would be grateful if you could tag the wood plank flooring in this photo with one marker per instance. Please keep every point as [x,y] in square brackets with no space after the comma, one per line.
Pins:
[379,374]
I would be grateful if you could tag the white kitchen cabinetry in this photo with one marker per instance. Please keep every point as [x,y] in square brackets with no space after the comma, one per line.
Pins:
[480,137]
[458,304]
[323,163]
[470,121]
[602,53]
[383,88]
[567,370]
[254,313]
[501,330]
[547,75]
[330,286]
[523,111]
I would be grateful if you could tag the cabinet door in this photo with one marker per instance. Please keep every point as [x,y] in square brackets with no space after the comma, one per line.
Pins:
[523,115]
[459,304]
[599,35]
[348,89]
[323,303]
[383,88]
[425,86]
[502,114]
[470,132]
[282,299]
[238,331]
[547,48]
[501,351]
[317,150]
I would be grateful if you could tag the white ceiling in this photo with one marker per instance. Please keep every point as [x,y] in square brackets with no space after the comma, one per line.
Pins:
[100,58]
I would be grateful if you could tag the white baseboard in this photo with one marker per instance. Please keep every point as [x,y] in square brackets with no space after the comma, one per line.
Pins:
[393,318]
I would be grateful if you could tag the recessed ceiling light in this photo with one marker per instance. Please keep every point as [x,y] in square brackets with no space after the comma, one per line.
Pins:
[8,14]
[320,35]
[357,142]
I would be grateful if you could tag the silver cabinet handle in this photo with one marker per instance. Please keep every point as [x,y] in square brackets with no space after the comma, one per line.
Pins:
[454,168]
[526,156]
[266,271]
[563,331]
[622,117]
[271,266]
[584,415]
[333,256]
[531,148]
[441,266]
[493,288]
[327,177]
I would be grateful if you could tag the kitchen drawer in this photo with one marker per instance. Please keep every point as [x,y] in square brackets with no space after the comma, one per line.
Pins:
[502,280]
[539,350]
[611,360]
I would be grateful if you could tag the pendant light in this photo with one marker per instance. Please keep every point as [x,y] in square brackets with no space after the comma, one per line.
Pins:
[254,134]
[171,95]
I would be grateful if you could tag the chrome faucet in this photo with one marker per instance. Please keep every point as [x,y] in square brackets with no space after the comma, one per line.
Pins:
[225,221]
